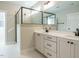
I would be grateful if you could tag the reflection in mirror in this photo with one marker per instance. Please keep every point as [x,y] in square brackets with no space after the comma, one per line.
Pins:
[32,16]
[49,19]
[26,15]
[36,17]
[18,17]
[67,15]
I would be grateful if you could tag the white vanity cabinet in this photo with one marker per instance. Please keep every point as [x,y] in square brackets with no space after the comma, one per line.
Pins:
[39,42]
[46,44]
[67,48]
[63,47]
[49,46]
[77,49]
[57,46]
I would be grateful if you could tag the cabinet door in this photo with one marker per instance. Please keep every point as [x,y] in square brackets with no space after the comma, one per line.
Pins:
[37,41]
[50,54]
[72,48]
[41,44]
[64,48]
[77,50]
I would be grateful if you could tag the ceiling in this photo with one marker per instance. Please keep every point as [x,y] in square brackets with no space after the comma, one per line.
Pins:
[57,7]
[19,3]
[63,5]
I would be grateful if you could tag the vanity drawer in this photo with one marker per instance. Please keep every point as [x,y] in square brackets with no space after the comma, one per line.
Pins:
[49,37]
[50,45]
[49,53]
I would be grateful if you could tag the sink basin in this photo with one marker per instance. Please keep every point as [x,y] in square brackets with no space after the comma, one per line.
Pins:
[70,35]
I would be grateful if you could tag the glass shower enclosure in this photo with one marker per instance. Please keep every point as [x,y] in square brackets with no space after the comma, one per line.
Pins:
[31,16]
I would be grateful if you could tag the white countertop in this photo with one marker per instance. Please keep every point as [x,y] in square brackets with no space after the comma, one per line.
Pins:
[67,35]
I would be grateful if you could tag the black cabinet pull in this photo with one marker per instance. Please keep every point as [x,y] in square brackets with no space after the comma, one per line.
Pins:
[68,42]
[72,43]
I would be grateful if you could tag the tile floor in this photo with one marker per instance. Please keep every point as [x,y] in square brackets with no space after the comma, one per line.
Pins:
[11,51]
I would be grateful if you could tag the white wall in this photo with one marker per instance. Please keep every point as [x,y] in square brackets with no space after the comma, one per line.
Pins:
[25,35]
[10,11]
[72,21]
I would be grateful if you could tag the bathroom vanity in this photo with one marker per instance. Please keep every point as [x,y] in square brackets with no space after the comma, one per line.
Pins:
[54,44]
[57,44]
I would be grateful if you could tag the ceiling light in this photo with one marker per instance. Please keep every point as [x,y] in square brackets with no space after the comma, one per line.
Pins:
[50,4]
[46,2]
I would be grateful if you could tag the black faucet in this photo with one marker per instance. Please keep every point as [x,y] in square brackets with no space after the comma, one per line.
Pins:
[46,30]
[77,32]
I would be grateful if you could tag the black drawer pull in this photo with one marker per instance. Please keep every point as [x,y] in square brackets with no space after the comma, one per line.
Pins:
[72,43]
[68,42]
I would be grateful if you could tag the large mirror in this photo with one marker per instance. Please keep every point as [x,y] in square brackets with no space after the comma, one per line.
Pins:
[67,15]
[32,16]
[36,17]
[49,18]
